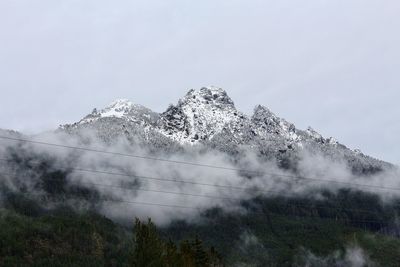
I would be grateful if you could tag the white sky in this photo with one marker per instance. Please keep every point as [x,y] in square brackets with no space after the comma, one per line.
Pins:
[333,64]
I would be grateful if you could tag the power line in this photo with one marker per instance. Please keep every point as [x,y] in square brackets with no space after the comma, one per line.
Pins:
[151,178]
[129,155]
[205,196]
[198,165]
[217,185]
[185,181]
[135,188]
[200,209]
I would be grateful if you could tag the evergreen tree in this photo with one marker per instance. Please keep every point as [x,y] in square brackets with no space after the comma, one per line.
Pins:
[148,250]
[201,257]
[187,254]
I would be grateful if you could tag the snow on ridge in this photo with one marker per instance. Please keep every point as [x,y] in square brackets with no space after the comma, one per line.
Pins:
[319,138]
[208,116]
[314,134]
[122,109]
[211,95]
[199,116]
[204,113]
[118,108]
[269,123]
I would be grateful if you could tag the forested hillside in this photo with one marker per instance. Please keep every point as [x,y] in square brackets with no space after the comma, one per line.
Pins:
[275,231]
[221,189]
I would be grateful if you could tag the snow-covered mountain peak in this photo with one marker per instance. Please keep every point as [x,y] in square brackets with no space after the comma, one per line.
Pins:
[200,114]
[265,116]
[319,138]
[261,112]
[208,116]
[211,96]
[122,109]
[314,134]
[118,108]
[120,104]
[270,123]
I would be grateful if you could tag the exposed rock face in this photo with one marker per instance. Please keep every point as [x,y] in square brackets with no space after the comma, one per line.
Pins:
[125,110]
[208,117]
[200,115]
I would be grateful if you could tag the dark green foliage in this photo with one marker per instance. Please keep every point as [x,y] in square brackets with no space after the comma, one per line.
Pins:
[275,230]
[64,239]
[151,250]
[21,204]
[44,229]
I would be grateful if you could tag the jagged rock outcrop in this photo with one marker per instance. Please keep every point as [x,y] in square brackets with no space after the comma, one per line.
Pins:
[209,118]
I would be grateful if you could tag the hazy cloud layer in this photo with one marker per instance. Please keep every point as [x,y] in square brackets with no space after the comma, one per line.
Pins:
[204,187]
[353,256]
[330,64]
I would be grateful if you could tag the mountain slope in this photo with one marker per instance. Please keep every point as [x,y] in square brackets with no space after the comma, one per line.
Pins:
[274,222]
[208,117]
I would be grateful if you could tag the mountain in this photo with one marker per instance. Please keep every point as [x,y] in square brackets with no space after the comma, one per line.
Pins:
[208,117]
[72,207]
[10,133]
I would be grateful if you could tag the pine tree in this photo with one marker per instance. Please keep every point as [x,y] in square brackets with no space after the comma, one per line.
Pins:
[148,247]
[201,257]
[172,256]
[187,254]
[151,251]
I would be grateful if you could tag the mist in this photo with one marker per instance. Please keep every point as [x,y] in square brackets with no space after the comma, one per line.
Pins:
[165,191]
[352,256]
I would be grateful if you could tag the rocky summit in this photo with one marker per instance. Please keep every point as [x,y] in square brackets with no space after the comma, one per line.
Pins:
[208,117]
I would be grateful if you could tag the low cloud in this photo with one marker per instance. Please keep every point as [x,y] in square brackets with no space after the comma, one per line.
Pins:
[352,256]
[144,181]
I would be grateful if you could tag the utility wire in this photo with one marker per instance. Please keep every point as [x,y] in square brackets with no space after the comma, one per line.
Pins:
[296,178]
[199,165]
[200,209]
[129,155]
[204,196]
[152,178]
[184,181]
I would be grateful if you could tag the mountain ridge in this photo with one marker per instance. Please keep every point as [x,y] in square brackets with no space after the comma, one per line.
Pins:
[192,107]
[283,218]
[208,117]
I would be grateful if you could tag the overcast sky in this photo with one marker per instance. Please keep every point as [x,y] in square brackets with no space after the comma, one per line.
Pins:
[333,65]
